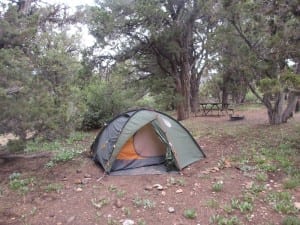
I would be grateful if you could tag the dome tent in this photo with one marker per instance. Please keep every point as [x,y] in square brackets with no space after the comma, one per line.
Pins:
[144,139]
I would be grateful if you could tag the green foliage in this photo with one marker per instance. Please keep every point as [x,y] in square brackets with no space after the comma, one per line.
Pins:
[212,203]
[260,41]
[221,220]
[245,207]
[53,187]
[190,213]
[261,177]
[211,89]
[156,23]
[290,79]
[234,203]
[65,155]
[1,191]
[251,98]
[38,94]
[100,203]
[176,181]
[282,202]
[145,203]
[23,186]
[105,99]
[126,211]
[161,93]
[291,220]
[41,145]
[16,145]
[269,85]
[292,182]
[75,137]
[217,186]
[141,222]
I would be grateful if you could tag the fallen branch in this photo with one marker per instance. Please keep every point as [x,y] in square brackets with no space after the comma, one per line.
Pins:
[8,156]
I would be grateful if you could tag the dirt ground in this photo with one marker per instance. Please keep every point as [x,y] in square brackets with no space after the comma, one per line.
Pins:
[77,193]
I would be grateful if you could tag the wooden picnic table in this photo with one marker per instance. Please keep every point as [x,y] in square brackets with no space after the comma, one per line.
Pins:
[207,108]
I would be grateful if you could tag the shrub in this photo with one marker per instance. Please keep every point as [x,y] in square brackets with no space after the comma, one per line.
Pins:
[104,100]
[16,145]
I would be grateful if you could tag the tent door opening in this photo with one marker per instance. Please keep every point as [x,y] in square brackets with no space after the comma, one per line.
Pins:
[147,147]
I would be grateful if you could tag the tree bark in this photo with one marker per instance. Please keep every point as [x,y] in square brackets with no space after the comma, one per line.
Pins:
[24,6]
[180,103]
[291,106]
[194,94]
[183,87]
[275,110]
[297,109]
[225,89]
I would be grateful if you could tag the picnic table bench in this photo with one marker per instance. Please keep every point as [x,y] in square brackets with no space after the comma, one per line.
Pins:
[214,108]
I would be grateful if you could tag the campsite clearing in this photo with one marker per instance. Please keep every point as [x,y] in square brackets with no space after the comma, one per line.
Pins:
[243,180]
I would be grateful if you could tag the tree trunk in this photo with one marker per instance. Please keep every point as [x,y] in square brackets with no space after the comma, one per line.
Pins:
[224,94]
[275,111]
[180,103]
[291,106]
[24,6]
[183,105]
[297,109]
[195,92]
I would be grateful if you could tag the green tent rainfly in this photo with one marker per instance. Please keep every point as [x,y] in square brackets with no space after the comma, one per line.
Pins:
[142,139]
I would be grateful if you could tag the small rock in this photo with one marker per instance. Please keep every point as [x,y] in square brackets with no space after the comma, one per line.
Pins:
[163,193]
[171,210]
[148,188]
[158,187]
[297,205]
[85,180]
[71,219]
[48,199]
[78,171]
[118,203]
[179,191]
[78,181]
[87,175]
[79,189]
[128,222]
[197,185]
[216,169]
[249,184]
